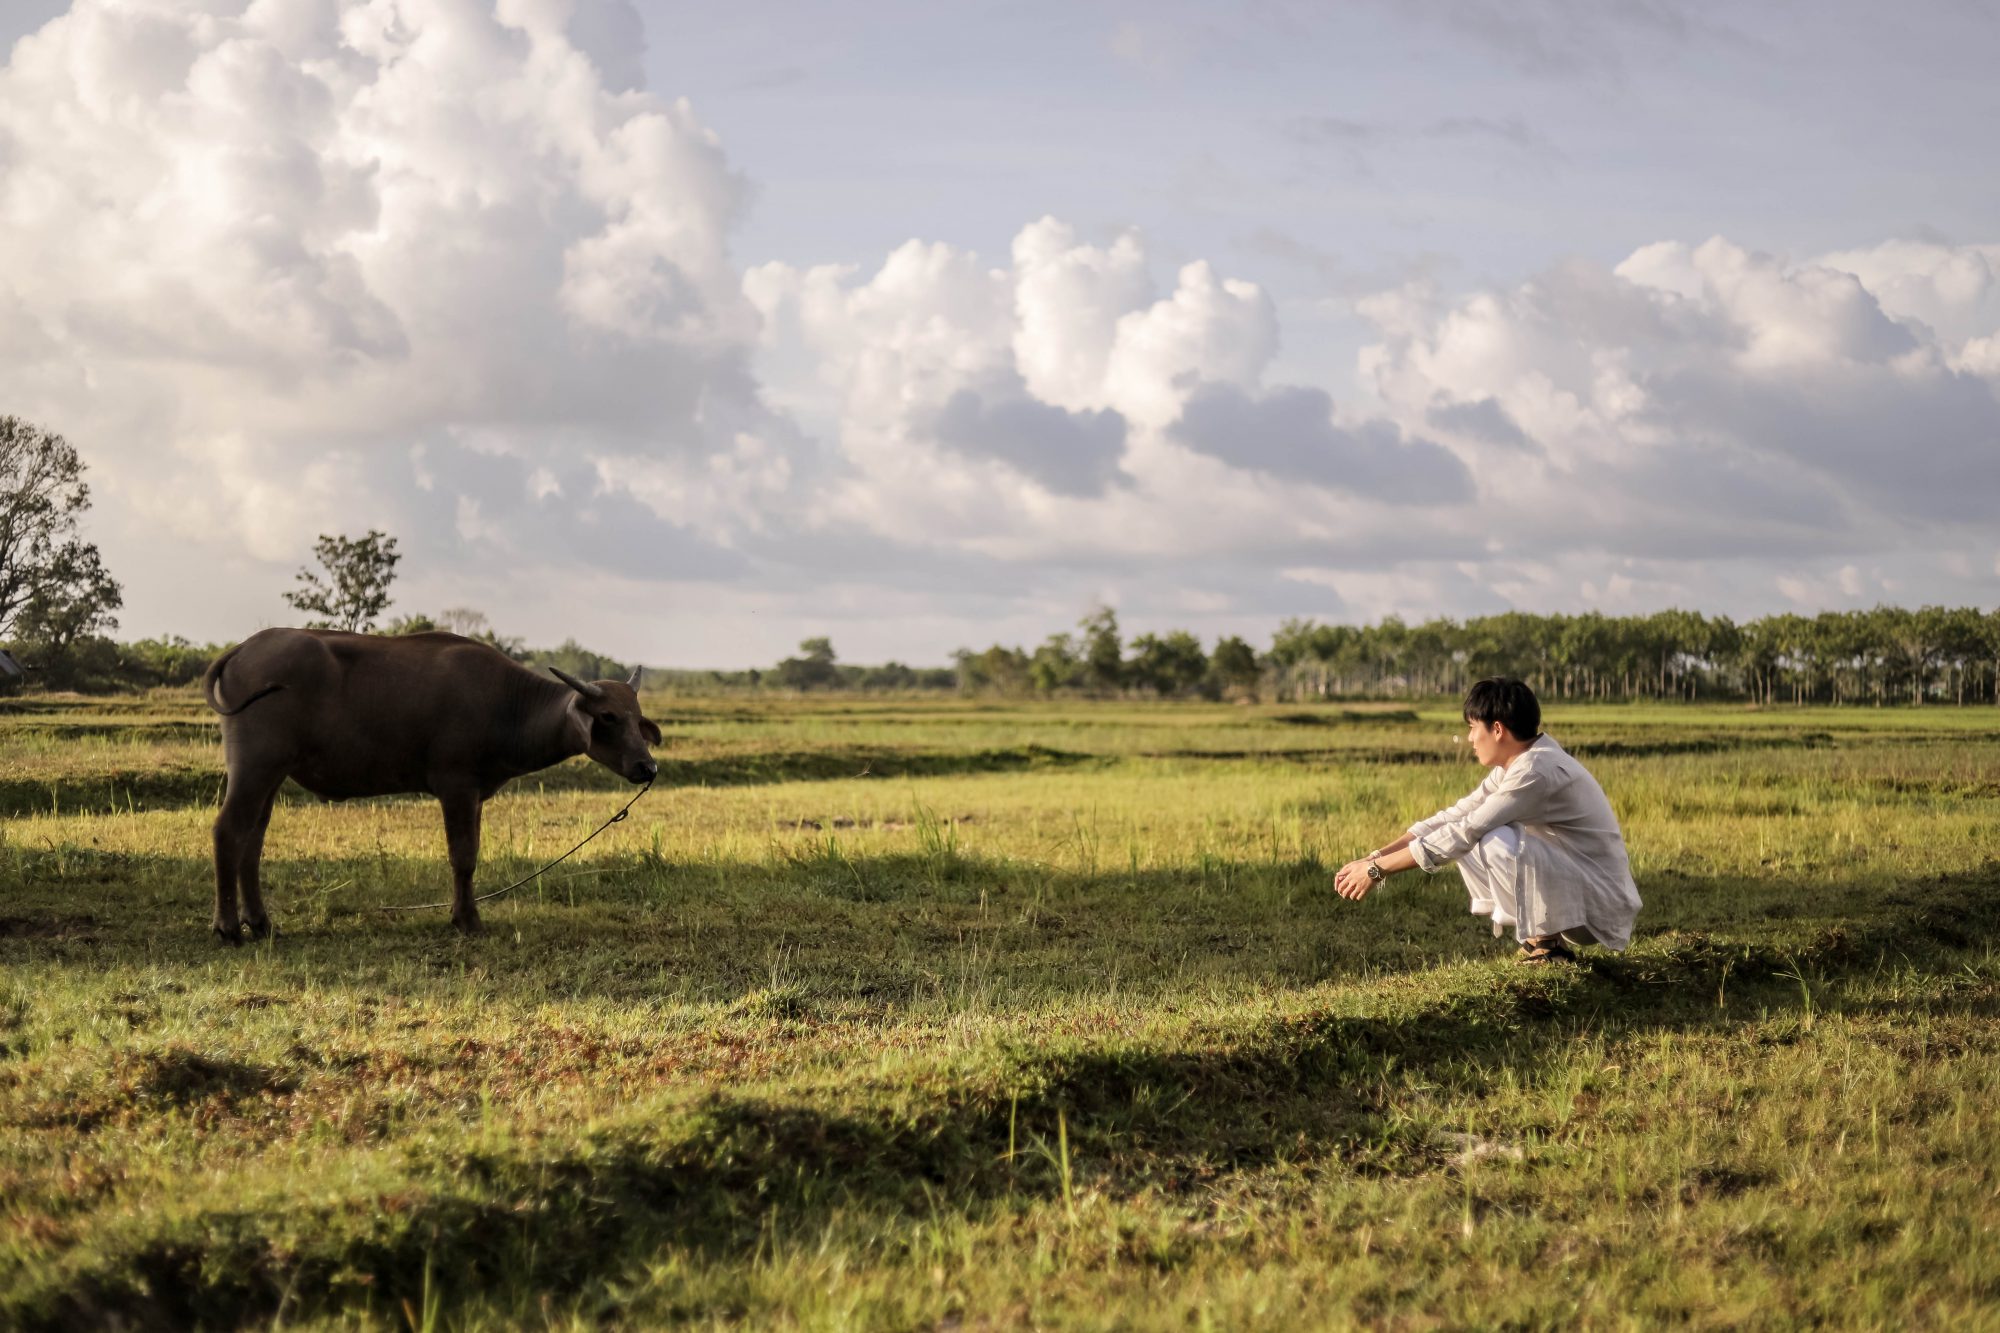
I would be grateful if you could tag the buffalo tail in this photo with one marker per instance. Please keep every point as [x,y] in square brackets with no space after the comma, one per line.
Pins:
[211,687]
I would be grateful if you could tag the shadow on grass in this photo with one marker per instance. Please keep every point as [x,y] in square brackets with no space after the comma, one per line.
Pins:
[1342,717]
[569,1218]
[817,919]
[832,926]
[172,788]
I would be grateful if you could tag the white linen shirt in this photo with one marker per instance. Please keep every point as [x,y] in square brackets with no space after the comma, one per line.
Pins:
[1574,875]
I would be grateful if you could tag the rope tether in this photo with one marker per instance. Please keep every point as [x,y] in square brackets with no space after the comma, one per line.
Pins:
[615,819]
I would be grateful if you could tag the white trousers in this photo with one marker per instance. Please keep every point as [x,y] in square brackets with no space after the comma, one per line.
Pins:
[1507,876]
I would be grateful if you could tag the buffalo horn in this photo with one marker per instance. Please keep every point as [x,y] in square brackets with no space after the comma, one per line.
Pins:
[633,680]
[584,688]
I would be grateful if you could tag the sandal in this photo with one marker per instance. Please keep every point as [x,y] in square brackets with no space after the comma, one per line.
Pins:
[1541,952]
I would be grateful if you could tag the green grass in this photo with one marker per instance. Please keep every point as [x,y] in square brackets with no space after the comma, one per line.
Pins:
[942,1015]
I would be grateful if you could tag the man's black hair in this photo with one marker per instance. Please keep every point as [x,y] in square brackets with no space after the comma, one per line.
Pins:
[1507,701]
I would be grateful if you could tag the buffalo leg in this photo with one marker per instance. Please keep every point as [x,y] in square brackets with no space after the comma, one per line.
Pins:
[227,858]
[461,836]
[248,871]
[242,804]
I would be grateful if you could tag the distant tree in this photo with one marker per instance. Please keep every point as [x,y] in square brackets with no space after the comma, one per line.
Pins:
[1167,664]
[355,589]
[812,669]
[888,676]
[1055,665]
[473,624]
[54,588]
[1989,647]
[1299,640]
[1103,650]
[998,670]
[169,661]
[1964,633]
[1233,666]
[1428,665]
[76,603]
[580,662]
[464,620]
[414,623]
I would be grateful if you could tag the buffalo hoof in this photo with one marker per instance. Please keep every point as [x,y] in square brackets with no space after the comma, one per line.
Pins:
[260,930]
[230,935]
[469,925]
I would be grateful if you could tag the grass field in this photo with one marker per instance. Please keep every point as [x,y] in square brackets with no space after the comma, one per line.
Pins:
[953,1016]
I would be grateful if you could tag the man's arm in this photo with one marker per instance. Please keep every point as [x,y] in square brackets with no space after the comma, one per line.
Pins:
[1522,794]
[1353,880]
[1471,801]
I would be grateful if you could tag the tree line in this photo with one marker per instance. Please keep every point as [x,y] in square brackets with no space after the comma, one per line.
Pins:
[1889,654]
[1884,655]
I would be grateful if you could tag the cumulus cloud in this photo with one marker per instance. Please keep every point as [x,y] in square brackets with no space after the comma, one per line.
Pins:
[1952,291]
[1039,412]
[1071,453]
[1708,401]
[1483,420]
[258,251]
[1069,298]
[1291,433]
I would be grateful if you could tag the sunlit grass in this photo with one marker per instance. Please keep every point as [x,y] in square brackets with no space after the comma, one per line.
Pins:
[1067,1039]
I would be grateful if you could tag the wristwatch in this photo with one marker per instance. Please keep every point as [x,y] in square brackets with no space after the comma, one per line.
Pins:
[1375,875]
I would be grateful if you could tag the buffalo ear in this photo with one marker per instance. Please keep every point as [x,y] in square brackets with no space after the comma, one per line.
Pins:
[652,730]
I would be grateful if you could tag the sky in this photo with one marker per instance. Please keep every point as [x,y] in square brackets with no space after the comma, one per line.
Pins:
[691,331]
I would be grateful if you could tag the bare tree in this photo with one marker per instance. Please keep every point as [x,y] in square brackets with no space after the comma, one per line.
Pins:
[52,582]
[355,590]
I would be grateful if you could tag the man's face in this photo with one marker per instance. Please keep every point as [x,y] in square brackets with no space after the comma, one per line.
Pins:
[1486,738]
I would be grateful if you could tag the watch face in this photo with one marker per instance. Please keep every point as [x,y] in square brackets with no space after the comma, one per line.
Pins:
[1374,871]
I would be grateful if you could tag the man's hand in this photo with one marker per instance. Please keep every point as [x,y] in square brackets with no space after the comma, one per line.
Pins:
[1351,880]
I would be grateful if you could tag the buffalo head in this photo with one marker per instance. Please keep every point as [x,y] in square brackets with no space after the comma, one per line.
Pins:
[620,737]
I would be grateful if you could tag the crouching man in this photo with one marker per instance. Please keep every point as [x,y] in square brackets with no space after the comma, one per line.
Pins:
[1536,842]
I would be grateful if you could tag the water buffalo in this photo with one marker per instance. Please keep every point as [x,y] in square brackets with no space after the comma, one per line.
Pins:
[367,715]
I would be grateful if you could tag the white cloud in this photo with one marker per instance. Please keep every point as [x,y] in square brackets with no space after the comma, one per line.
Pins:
[1291,433]
[1709,401]
[1954,290]
[1069,298]
[1221,330]
[1034,413]
[257,252]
